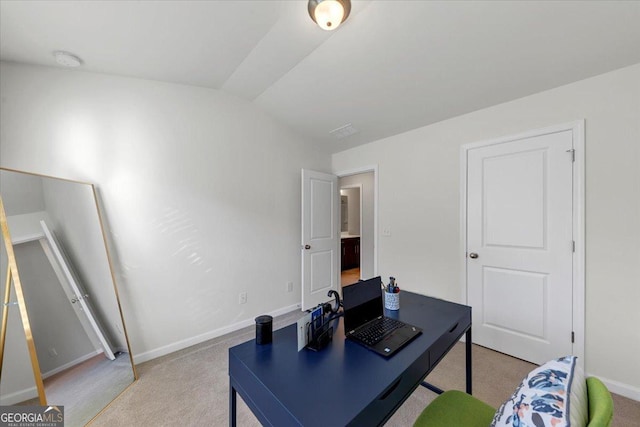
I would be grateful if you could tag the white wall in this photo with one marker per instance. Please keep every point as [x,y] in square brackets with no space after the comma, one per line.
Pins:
[21,193]
[419,202]
[53,322]
[201,192]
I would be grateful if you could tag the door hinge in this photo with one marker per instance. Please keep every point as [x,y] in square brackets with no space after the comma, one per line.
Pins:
[573,246]
[573,337]
[573,154]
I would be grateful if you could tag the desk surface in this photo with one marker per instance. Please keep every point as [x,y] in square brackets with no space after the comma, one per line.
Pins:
[344,383]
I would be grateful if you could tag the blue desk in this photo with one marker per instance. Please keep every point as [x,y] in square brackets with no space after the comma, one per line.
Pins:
[344,384]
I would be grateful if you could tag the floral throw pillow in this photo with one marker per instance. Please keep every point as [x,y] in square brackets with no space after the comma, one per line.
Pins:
[552,395]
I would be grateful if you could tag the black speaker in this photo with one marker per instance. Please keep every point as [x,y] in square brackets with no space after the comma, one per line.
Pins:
[264,329]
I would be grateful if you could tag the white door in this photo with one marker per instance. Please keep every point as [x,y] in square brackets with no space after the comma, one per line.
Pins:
[520,245]
[77,297]
[320,228]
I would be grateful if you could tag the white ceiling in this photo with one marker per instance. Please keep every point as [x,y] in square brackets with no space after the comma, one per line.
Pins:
[391,67]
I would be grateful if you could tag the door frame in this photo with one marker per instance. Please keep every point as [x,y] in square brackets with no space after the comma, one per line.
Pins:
[578,132]
[356,171]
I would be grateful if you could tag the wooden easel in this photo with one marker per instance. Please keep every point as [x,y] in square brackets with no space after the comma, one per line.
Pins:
[14,277]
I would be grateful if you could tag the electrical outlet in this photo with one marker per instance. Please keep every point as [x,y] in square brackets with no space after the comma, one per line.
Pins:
[289,286]
[242,298]
[386,231]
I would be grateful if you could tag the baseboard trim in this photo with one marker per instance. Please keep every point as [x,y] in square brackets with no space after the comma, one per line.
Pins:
[19,396]
[75,362]
[182,344]
[617,387]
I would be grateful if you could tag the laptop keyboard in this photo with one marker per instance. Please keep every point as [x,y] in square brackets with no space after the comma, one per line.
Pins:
[375,331]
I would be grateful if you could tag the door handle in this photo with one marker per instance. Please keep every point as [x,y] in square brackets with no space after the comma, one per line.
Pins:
[473,255]
[307,247]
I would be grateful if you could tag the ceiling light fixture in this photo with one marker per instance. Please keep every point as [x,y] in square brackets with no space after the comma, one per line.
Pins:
[67,59]
[329,14]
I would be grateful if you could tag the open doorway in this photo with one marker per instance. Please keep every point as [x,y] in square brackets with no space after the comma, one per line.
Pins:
[350,232]
[357,227]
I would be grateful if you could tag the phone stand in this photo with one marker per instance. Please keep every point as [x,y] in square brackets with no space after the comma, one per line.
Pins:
[319,335]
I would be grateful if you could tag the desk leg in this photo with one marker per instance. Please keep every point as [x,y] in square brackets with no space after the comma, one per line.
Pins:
[232,406]
[468,357]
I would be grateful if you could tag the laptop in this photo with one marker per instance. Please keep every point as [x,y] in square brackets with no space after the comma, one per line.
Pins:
[366,324]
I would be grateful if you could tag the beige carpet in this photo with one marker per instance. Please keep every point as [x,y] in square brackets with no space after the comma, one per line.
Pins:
[191,387]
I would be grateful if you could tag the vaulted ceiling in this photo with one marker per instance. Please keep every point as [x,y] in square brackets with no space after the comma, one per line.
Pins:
[391,67]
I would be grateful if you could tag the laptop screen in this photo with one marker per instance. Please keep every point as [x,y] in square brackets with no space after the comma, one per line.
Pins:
[362,302]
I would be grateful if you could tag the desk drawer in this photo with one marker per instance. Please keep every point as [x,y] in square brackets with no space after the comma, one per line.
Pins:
[448,340]
[394,395]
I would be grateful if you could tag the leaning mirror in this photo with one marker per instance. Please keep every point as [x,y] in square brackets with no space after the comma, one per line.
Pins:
[70,295]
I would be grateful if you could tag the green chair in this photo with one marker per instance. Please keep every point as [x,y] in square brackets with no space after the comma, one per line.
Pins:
[457,409]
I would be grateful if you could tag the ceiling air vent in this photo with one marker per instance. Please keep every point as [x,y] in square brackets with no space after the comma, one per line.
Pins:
[343,131]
